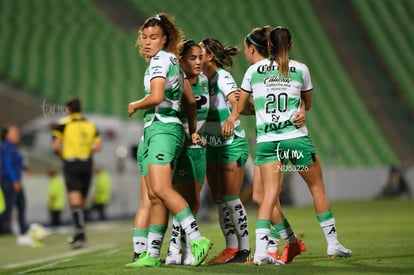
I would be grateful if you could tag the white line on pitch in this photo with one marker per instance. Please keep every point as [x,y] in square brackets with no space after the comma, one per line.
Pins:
[63,255]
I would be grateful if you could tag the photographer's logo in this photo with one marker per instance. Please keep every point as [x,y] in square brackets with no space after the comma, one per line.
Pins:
[292,155]
[51,109]
[288,154]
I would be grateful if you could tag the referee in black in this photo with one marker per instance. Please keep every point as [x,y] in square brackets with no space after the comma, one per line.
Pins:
[75,139]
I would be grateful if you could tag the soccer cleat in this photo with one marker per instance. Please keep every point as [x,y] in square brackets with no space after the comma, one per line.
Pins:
[338,250]
[266,260]
[79,244]
[187,256]
[135,257]
[291,250]
[200,249]
[145,260]
[274,255]
[25,240]
[78,241]
[224,256]
[241,256]
[173,257]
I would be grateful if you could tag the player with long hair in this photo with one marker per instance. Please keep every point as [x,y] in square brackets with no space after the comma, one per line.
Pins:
[226,155]
[279,85]
[140,223]
[191,165]
[158,42]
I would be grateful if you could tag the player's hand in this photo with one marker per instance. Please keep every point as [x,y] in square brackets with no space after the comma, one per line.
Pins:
[237,94]
[197,140]
[17,186]
[131,109]
[228,127]
[299,119]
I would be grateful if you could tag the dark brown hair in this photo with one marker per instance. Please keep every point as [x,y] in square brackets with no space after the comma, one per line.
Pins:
[74,105]
[172,33]
[222,54]
[258,37]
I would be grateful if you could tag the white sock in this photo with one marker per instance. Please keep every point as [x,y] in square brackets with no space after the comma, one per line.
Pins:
[155,237]
[175,241]
[286,232]
[188,224]
[262,239]
[226,225]
[139,240]
[274,238]
[329,230]
[238,216]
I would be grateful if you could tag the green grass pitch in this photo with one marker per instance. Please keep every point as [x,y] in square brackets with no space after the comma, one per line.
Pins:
[380,233]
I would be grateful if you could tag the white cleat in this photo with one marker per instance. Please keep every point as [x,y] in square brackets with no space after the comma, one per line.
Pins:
[173,257]
[338,250]
[266,260]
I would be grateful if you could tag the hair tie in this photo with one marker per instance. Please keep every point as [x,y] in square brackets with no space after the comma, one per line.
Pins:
[250,39]
[189,43]
[157,17]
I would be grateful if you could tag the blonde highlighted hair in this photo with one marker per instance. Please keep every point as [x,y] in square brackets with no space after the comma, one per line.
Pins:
[280,40]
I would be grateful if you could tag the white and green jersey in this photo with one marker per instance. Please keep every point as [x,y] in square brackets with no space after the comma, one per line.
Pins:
[220,86]
[165,65]
[276,98]
[202,98]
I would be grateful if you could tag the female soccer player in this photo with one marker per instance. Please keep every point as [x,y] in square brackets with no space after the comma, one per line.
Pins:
[191,165]
[278,84]
[158,42]
[226,156]
[141,218]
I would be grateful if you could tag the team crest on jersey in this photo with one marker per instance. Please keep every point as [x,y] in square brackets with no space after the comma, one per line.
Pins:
[205,87]
[173,60]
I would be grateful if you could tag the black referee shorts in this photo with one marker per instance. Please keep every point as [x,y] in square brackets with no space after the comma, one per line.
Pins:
[78,175]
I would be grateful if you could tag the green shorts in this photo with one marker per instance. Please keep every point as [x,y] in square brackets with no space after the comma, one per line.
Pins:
[238,151]
[163,144]
[299,151]
[191,165]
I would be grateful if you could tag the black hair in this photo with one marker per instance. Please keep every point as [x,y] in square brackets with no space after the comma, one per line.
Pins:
[74,105]
[4,131]
[186,46]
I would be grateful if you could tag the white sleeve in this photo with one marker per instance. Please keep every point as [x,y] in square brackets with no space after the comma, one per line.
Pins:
[226,83]
[158,66]
[247,81]
[307,82]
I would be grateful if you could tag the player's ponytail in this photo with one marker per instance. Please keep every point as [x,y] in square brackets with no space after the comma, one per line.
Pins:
[222,55]
[280,40]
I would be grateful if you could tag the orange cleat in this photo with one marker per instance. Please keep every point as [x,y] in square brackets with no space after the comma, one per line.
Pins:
[291,250]
[224,256]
